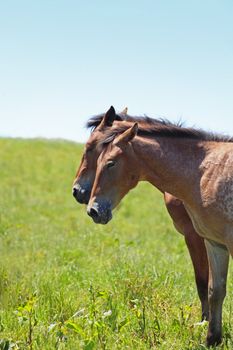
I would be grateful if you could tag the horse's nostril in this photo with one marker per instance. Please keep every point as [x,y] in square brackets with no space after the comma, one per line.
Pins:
[93,213]
[75,191]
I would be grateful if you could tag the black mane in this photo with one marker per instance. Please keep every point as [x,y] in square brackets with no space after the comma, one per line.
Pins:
[95,121]
[149,127]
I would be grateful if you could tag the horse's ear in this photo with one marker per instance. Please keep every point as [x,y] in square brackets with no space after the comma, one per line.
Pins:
[125,111]
[127,135]
[109,117]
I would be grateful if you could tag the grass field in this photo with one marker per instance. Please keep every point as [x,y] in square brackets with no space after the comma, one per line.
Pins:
[67,283]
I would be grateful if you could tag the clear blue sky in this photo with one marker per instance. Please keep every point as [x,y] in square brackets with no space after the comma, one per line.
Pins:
[63,61]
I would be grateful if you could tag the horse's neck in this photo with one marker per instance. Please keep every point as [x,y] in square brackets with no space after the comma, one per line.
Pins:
[170,164]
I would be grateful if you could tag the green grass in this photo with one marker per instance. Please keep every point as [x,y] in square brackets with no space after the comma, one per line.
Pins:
[66,283]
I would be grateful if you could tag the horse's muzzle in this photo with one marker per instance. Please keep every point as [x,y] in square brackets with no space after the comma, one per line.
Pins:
[99,214]
[81,194]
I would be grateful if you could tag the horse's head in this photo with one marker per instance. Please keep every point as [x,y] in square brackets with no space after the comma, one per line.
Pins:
[86,172]
[116,174]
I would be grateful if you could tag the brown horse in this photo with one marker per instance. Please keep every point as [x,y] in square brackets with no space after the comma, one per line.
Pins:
[192,165]
[85,178]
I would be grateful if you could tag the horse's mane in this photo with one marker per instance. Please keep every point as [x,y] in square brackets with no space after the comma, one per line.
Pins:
[95,121]
[150,127]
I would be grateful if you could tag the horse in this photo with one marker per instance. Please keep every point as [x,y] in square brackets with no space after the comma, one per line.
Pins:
[84,180]
[190,164]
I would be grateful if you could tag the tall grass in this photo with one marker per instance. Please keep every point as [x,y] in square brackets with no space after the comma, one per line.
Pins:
[66,283]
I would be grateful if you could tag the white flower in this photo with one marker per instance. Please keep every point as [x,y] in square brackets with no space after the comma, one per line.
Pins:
[107,313]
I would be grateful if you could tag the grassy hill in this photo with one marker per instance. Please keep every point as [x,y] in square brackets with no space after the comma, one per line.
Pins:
[67,283]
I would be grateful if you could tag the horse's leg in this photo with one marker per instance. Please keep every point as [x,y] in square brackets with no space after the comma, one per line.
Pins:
[196,247]
[197,251]
[218,257]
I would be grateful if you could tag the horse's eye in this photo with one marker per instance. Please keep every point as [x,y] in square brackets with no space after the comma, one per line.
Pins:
[110,163]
